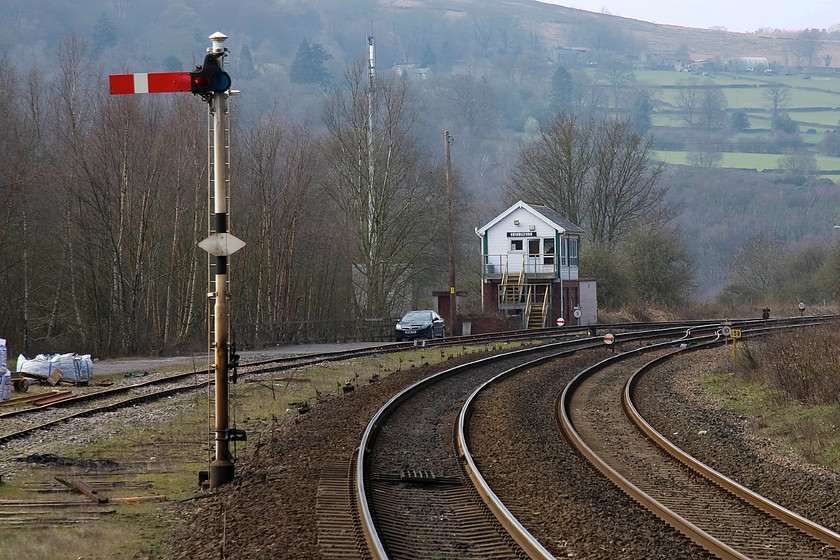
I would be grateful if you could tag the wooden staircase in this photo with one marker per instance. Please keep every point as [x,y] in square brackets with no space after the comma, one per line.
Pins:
[536,309]
[512,287]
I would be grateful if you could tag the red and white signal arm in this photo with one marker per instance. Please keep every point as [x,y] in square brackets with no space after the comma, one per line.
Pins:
[561,321]
[609,338]
[155,82]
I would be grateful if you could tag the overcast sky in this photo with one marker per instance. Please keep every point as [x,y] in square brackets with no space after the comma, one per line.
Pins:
[734,15]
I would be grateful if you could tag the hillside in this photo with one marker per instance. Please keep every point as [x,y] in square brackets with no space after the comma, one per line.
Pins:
[560,26]
[487,78]
[124,31]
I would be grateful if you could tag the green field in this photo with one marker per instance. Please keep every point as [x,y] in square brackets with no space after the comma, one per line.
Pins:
[813,102]
[758,162]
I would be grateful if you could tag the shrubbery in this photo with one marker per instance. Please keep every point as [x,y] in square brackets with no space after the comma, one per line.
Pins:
[800,366]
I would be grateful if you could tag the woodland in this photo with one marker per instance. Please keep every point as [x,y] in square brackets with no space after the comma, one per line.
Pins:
[104,198]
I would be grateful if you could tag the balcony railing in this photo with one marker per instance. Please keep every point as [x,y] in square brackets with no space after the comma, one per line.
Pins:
[540,265]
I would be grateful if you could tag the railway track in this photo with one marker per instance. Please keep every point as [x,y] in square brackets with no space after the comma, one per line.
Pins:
[718,514]
[45,411]
[478,540]
[414,495]
[417,496]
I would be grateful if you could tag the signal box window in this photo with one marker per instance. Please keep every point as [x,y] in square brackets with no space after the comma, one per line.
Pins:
[548,250]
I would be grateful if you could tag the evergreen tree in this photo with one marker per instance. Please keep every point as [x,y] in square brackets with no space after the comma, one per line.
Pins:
[739,120]
[562,93]
[427,58]
[308,67]
[642,111]
[103,35]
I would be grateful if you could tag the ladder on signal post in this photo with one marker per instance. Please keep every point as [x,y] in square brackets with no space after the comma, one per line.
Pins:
[211,228]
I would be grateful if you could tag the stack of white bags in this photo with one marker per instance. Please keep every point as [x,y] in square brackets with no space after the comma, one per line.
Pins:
[74,368]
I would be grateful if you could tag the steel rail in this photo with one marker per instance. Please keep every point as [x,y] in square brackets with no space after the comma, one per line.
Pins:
[256,367]
[768,506]
[375,546]
[517,531]
[696,534]
[521,535]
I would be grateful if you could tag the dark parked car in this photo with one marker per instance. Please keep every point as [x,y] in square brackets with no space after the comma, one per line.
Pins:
[420,324]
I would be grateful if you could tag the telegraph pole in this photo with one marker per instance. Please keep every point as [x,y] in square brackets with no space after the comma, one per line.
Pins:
[371,225]
[453,297]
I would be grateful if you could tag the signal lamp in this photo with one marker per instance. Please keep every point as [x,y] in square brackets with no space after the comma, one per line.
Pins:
[209,78]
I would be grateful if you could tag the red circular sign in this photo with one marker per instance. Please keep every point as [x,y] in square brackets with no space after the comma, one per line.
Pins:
[561,321]
[609,338]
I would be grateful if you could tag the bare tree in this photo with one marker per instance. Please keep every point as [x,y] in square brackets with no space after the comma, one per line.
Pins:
[777,97]
[712,108]
[22,176]
[483,33]
[388,215]
[754,271]
[805,44]
[619,75]
[276,174]
[474,107]
[799,165]
[555,169]
[624,183]
[688,101]
[598,174]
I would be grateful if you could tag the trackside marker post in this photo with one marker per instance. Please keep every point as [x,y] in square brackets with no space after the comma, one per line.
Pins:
[212,83]
[609,338]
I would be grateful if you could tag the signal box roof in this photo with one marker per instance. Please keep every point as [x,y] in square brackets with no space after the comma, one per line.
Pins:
[544,213]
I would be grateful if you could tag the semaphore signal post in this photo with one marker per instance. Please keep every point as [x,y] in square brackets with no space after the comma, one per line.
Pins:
[212,83]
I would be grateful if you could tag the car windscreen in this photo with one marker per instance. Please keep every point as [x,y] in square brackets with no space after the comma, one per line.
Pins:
[416,316]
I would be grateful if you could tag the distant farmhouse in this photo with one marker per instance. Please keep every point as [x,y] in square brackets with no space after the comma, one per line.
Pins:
[661,60]
[412,71]
[572,56]
[747,64]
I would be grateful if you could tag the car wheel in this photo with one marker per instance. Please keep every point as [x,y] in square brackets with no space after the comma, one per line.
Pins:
[398,338]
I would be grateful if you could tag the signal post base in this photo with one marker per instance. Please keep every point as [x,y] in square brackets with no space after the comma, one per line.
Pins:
[221,472]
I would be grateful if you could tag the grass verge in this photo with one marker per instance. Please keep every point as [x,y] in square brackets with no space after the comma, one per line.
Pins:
[786,387]
[155,451]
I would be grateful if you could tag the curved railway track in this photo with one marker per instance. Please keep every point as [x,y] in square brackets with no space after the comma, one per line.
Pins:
[718,514]
[413,489]
[418,493]
[421,494]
